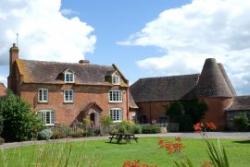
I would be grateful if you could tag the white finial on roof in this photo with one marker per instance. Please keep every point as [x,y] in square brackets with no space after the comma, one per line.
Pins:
[17,37]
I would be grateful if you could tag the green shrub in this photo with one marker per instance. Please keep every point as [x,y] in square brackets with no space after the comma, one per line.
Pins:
[61,131]
[136,129]
[146,129]
[241,122]
[45,134]
[20,123]
[125,127]
[105,125]
[77,133]
[186,124]
[1,140]
[186,113]
[1,123]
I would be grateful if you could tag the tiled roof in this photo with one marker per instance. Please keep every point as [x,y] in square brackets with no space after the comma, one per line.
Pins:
[212,82]
[240,103]
[164,88]
[132,103]
[52,72]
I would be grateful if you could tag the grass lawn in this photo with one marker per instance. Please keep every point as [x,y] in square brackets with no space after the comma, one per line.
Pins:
[99,153]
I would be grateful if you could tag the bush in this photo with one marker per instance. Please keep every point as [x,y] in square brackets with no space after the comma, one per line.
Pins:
[186,124]
[1,140]
[105,125]
[77,133]
[19,123]
[241,122]
[186,113]
[1,123]
[136,129]
[60,131]
[125,127]
[45,134]
[146,129]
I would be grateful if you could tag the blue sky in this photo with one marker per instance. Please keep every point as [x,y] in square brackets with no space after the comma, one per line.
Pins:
[143,37]
[115,20]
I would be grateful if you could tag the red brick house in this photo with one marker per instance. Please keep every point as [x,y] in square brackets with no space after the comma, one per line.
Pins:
[63,93]
[154,95]
[3,90]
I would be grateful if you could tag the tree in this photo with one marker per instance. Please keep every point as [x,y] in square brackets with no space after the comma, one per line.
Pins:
[241,122]
[19,122]
[1,122]
[186,113]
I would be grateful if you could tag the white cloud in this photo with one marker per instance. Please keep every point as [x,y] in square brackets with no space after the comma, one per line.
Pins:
[44,33]
[68,12]
[201,29]
[3,80]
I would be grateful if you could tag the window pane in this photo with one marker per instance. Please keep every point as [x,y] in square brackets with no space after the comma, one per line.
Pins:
[115,96]
[47,117]
[45,95]
[40,95]
[68,95]
[116,114]
[68,77]
[52,117]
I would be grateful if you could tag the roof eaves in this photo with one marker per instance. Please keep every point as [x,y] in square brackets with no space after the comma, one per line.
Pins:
[117,69]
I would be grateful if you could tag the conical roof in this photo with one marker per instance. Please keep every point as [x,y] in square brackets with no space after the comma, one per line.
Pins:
[229,83]
[212,82]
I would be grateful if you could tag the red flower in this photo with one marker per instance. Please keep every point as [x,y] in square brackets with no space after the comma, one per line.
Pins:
[211,126]
[171,147]
[198,127]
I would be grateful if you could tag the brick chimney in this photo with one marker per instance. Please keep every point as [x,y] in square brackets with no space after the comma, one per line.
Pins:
[84,62]
[13,56]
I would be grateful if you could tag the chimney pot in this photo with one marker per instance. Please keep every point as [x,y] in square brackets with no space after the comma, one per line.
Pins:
[84,62]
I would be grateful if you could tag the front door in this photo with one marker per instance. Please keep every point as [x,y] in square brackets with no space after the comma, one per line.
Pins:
[94,117]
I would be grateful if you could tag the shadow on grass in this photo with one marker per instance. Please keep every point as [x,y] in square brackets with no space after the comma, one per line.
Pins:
[115,143]
[242,141]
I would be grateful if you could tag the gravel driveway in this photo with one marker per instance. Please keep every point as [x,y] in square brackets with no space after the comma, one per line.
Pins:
[219,135]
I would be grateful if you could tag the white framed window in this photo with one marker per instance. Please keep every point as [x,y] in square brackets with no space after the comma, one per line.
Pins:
[115,79]
[68,96]
[115,96]
[69,77]
[47,116]
[43,95]
[116,114]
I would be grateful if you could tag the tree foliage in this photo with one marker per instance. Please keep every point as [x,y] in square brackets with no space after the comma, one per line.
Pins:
[19,122]
[186,113]
[241,122]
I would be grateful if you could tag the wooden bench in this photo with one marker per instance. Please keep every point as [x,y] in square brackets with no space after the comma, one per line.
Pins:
[122,136]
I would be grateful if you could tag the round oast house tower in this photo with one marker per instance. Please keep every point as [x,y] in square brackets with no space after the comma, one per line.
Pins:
[216,90]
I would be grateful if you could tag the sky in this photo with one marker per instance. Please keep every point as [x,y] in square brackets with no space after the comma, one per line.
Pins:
[144,38]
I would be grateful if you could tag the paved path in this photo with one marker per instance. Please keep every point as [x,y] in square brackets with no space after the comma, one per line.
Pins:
[219,135]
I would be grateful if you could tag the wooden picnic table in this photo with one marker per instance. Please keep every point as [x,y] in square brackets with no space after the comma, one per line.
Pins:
[122,136]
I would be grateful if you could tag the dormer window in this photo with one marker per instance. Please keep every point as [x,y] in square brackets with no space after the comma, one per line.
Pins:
[69,77]
[115,79]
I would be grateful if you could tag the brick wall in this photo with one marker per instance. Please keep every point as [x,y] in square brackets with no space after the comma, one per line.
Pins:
[152,110]
[216,110]
[83,95]
[215,113]
[3,90]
